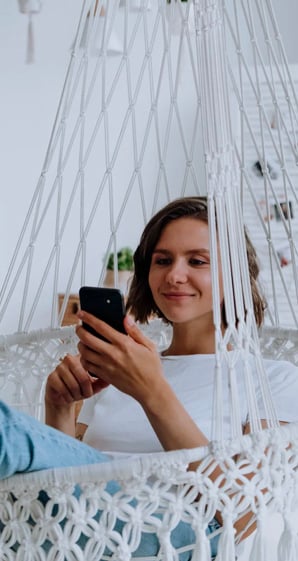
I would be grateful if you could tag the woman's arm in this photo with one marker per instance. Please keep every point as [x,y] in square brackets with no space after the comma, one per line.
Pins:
[61,417]
[132,364]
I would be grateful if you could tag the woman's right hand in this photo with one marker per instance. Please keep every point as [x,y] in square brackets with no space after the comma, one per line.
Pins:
[66,385]
[70,382]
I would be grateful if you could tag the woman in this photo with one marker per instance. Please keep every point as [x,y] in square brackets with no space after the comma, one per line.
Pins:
[172,279]
[152,402]
[158,402]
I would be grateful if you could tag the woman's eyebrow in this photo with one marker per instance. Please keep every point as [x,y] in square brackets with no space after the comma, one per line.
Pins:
[188,252]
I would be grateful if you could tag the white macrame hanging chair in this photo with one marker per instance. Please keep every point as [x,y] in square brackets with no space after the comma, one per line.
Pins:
[188,106]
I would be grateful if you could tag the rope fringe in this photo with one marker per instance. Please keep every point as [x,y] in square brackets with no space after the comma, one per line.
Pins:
[288,543]
[201,551]
[226,544]
[259,547]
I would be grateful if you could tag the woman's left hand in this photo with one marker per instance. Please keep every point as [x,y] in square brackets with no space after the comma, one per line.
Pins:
[129,362]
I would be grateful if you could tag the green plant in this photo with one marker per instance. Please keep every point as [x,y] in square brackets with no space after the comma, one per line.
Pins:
[124,260]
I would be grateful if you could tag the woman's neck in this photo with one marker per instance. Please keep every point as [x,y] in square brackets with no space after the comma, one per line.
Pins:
[187,340]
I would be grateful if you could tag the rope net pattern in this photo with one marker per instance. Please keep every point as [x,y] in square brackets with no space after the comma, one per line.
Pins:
[128,137]
[75,506]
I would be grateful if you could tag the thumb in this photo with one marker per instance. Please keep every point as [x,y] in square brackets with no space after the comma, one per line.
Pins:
[136,334]
[98,384]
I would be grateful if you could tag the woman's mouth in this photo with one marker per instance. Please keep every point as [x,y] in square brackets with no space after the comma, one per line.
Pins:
[177,295]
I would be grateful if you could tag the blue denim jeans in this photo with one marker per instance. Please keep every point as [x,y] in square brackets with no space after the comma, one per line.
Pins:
[27,445]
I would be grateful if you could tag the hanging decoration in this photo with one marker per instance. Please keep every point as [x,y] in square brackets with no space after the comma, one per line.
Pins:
[31,8]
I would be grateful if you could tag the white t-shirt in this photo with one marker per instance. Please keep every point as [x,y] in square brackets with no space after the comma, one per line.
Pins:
[117,423]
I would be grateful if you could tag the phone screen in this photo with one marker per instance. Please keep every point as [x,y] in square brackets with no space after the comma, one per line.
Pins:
[106,304]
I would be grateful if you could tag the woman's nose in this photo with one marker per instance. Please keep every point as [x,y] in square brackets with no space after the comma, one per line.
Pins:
[177,273]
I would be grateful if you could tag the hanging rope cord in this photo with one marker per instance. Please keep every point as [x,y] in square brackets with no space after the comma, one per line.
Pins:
[286,140]
[222,192]
[65,148]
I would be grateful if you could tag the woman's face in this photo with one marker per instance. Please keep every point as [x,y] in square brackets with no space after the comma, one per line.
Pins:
[180,272]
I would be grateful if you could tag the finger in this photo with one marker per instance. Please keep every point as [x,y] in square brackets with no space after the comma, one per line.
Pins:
[56,391]
[74,378]
[108,332]
[88,385]
[98,385]
[135,333]
[92,362]
[72,388]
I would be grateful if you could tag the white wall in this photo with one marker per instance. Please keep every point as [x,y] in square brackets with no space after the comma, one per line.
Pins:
[29,96]
[287,16]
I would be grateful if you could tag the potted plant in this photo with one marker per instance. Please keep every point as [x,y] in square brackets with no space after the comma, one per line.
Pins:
[124,265]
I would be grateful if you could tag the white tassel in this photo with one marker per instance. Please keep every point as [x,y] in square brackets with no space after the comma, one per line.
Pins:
[288,543]
[226,544]
[259,549]
[202,550]
[168,551]
[30,41]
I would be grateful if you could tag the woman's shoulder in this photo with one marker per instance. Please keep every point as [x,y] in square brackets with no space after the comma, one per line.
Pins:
[282,376]
[283,381]
[280,366]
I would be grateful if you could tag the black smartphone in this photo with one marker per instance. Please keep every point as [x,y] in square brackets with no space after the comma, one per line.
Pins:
[106,304]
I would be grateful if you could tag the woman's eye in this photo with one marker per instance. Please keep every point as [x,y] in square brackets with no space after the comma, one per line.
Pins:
[197,262]
[162,261]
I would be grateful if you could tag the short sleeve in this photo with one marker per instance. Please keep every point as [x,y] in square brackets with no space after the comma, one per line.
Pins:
[283,381]
[87,411]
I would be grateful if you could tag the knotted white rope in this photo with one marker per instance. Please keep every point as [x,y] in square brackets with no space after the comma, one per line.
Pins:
[163,492]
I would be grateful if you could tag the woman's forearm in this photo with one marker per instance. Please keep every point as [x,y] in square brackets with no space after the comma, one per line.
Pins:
[61,417]
[170,421]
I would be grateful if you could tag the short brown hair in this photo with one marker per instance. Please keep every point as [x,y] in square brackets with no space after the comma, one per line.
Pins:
[140,300]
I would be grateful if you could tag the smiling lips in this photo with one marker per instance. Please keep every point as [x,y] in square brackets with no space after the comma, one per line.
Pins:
[176,295]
